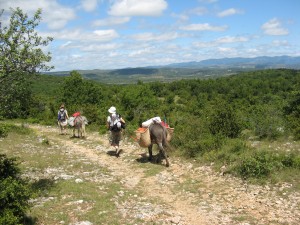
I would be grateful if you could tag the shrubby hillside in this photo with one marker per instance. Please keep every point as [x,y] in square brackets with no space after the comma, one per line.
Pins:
[214,119]
[261,101]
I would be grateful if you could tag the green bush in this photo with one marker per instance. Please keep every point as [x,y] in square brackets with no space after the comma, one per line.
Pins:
[14,193]
[229,153]
[224,121]
[268,122]
[202,145]
[264,163]
[3,130]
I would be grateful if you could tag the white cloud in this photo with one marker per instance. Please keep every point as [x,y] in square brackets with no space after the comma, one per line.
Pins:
[222,49]
[76,56]
[230,39]
[182,17]
[111,21]
[154,37]
[65,45]
[139,52]
[199,11]
[99,47]
[89,5]
[274,27]
[105,35]
[56,16]
[279,43]
[138,7]
[203,27]
[83,36]
[221,41]
[229,12]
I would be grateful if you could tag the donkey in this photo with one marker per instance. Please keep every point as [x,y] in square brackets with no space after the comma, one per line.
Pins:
[79,125]
[158,135]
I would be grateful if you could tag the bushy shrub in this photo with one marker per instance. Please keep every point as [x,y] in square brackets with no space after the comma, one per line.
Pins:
[224,121]
[257,166]
[229,153]
[14,193]
[204,144]
[3,130]
[262,163]
[268,122]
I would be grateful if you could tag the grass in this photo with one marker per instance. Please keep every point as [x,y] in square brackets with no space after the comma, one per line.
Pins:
[67,187]
[73,202]
[258,162]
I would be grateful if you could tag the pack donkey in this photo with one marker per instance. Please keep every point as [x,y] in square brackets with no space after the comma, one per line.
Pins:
[158,135]
[79,125]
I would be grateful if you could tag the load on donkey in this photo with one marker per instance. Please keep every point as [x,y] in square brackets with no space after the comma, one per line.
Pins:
[154,131]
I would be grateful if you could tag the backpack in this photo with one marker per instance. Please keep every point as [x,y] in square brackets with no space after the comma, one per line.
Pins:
[62,115]
[115,126]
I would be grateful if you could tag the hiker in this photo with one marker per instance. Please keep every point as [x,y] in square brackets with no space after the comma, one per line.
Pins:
[62,119]
[114,124]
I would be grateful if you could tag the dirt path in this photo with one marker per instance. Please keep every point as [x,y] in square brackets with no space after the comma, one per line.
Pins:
[188,194]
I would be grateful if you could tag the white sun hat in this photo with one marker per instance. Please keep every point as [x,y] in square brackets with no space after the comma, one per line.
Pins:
[112,109]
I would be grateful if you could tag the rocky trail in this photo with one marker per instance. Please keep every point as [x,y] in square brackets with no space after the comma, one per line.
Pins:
[185,193]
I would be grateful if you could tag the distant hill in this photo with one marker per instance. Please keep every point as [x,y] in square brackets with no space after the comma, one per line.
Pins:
[202,69]
[263,62]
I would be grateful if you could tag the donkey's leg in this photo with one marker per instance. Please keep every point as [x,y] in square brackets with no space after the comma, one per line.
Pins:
[83,131]
[150,152]
[163,152]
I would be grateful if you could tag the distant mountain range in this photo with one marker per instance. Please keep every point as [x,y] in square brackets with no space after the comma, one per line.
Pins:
[263,62]
[203,69]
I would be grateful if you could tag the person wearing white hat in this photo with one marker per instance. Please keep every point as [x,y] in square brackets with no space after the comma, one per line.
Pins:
[112,109]
[114,124]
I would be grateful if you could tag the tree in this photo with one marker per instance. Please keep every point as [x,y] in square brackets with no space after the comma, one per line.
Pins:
[224,121]
[20,57]
[19,44]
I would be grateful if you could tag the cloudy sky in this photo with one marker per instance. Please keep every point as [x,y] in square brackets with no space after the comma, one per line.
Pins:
[111,34]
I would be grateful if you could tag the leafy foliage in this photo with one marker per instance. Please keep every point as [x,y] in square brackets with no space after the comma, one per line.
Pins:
[20,43]
[14,193]
[225,122]
[292,111]
[20,58]
[262,163]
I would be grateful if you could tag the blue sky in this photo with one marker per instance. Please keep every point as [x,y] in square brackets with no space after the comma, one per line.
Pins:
[111,34]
